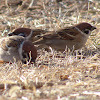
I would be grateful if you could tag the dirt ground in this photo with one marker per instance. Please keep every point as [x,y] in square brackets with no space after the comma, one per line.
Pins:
[56,75]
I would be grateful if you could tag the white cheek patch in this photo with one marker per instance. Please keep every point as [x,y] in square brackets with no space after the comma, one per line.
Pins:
[87,31]
[83,32]
[21,51]
[30,35]
[24,56]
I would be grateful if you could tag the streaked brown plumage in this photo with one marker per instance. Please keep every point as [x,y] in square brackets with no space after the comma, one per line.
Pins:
[73,37]
[28,33]
[16,48]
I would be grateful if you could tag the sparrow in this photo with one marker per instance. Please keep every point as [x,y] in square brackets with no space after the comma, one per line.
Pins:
[74,37]
[16,48]
[13,2]
[29,34]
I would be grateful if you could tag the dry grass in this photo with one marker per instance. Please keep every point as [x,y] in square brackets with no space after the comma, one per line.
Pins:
[56,75]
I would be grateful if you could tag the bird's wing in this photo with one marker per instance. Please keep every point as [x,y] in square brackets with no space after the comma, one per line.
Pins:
[39,31]
[68,33]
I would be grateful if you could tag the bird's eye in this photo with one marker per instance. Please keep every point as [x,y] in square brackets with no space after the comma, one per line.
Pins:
[86,31]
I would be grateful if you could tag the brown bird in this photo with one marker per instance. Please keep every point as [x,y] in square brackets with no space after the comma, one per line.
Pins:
[74,37]
[16,48]
[29,34]
[13,2]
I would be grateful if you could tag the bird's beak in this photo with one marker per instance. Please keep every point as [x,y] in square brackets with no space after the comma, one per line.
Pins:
[93,28]
[10,34]
[20,34]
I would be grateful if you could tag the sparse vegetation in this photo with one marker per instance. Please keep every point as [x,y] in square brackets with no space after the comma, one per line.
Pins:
[56,75]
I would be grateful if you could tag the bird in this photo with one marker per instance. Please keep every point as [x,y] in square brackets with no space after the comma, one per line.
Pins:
[29,34]
[73,37]
[13,3]
[17,48]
